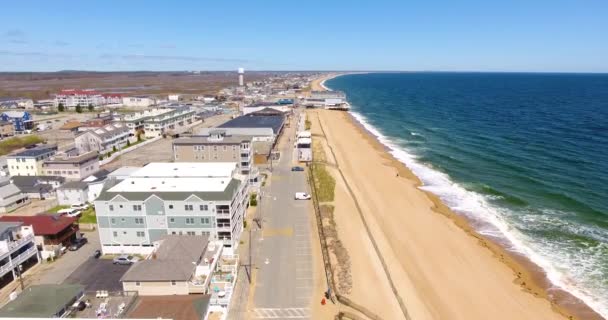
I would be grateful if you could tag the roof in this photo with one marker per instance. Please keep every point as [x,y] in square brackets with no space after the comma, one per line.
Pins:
[78,92]
[74,185]
[261,147]
[107,130]
[85,157]
[173,260]
[186,307]
[71,125]
[196,140]
[256,121]
[41,301]
[252,132]
[43,224]
[123,171]
[31,181]
[4,226]
[15,114]
[97,176]
[187,169]
[34,152]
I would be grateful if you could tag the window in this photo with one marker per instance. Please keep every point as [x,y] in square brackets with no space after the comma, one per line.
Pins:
[172,282]
[204,207]
[189,220]
[225,148]
[141,234]
[170,206]
[120,206]
[172,220]
[188,207]
[111,207]
[173,232]
[115,234]
[136,207]
[190,233]
[124,232]
[205,220]
[137,283]
[139,220]
[113,221]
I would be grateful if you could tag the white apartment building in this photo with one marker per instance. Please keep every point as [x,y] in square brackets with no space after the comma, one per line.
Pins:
[73,97]
[29,162]
[103,139]
[72,167]
[18,250]
[161,199]
[138,101]
[159,121]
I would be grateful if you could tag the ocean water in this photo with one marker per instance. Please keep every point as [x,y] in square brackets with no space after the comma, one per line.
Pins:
[524,156]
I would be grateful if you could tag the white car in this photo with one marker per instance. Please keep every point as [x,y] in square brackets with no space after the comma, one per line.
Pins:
[69,212]
[302,196]
[80,206]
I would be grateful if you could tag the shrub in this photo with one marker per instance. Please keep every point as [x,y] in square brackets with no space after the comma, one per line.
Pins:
[114,148]
[253,200]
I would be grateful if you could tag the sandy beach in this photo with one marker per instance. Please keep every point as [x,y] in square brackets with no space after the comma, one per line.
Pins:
[439,267]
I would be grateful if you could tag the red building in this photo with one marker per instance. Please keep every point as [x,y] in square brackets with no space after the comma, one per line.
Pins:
[49,230]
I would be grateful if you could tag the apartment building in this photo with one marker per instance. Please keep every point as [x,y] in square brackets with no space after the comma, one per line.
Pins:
[103,139]
[138,101]
[70,98]
[29,162]
[159,121]
[171,199]
[72,167]
[18,250]
[217,146]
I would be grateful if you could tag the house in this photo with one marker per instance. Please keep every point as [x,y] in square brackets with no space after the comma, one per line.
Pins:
[72,167]
[71,126]
[172,198]
[216,147]
[11,197]
[159,121]
[16,103]
[38,187]
[51,232]
[73,192]
[18,250]
[103,139]
[22,120]
[7,129]
[96,182]
[138,101]
[98,121]
[176,267]
[43,301]
[29,162]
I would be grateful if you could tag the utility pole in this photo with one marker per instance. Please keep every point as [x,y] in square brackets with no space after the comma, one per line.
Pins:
[19,268]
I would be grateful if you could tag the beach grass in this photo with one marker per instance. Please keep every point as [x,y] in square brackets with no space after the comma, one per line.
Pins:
[324,183]
[15,143]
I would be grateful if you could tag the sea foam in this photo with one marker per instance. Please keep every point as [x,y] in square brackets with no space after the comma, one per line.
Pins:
[490,220]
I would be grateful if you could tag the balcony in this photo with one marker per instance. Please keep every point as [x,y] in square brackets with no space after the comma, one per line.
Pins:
[14,245]
[224,227]
[18,260]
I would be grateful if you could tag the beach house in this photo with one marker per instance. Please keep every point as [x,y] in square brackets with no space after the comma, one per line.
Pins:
[18,250]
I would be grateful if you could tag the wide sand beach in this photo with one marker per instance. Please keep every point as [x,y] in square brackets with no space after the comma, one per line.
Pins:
[440,268]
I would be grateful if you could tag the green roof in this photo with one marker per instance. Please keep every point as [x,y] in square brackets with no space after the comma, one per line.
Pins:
[225,195]
[42,301]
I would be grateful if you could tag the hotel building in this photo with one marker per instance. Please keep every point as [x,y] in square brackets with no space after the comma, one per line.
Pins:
[161,199]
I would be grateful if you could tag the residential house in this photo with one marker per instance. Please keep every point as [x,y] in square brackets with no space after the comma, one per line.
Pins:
[100,120]
[43,301]
[22,121]
[72,167]
[96,182]
[177,267]
[71,126]
[29,162]
[138,101]
[51,232]
[16,103]
[38,187]
[104,139]
[73,192]
[216,147]
[172,198]
[7,129]
[18,250]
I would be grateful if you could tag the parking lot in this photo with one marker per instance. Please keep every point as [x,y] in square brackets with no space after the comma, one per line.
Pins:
[98,274]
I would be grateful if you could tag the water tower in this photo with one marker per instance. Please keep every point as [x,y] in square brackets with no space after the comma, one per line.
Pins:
[241,73]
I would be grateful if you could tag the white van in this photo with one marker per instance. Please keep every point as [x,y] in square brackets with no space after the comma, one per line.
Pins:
[302,196]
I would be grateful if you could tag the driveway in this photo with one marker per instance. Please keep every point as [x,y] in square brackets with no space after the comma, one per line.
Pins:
[98,274]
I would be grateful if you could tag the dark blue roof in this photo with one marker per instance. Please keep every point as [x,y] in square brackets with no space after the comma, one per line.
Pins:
[35,151]
[256,121]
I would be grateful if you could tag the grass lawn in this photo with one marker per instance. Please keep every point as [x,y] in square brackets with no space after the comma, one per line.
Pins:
[57,208]
[15,143]
[87,216]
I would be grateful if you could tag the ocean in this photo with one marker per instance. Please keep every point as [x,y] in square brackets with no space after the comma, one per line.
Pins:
[524,156]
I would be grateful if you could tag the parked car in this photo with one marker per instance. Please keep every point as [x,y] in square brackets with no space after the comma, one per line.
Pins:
[302,196]
[125,259]
[80,206]
[297,169]
[97,254]
[70,212]
[77,244]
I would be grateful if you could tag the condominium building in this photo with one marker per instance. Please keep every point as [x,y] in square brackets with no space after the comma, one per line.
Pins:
[103,139]
[29,162]
[72,97]
[159,121]
[172,198]
[72,167]
[138,101]
[217,146]
[18,250]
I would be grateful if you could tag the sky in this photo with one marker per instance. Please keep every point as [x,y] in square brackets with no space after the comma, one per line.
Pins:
[464,35]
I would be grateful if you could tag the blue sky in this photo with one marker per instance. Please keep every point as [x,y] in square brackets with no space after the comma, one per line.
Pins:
[508,35]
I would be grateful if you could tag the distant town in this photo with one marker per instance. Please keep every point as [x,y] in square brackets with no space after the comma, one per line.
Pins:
[111,200]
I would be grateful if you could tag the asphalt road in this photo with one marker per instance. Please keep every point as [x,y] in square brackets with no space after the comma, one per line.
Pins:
[283,285]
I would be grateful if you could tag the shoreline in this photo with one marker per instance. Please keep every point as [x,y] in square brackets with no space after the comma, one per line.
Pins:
[527,275]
